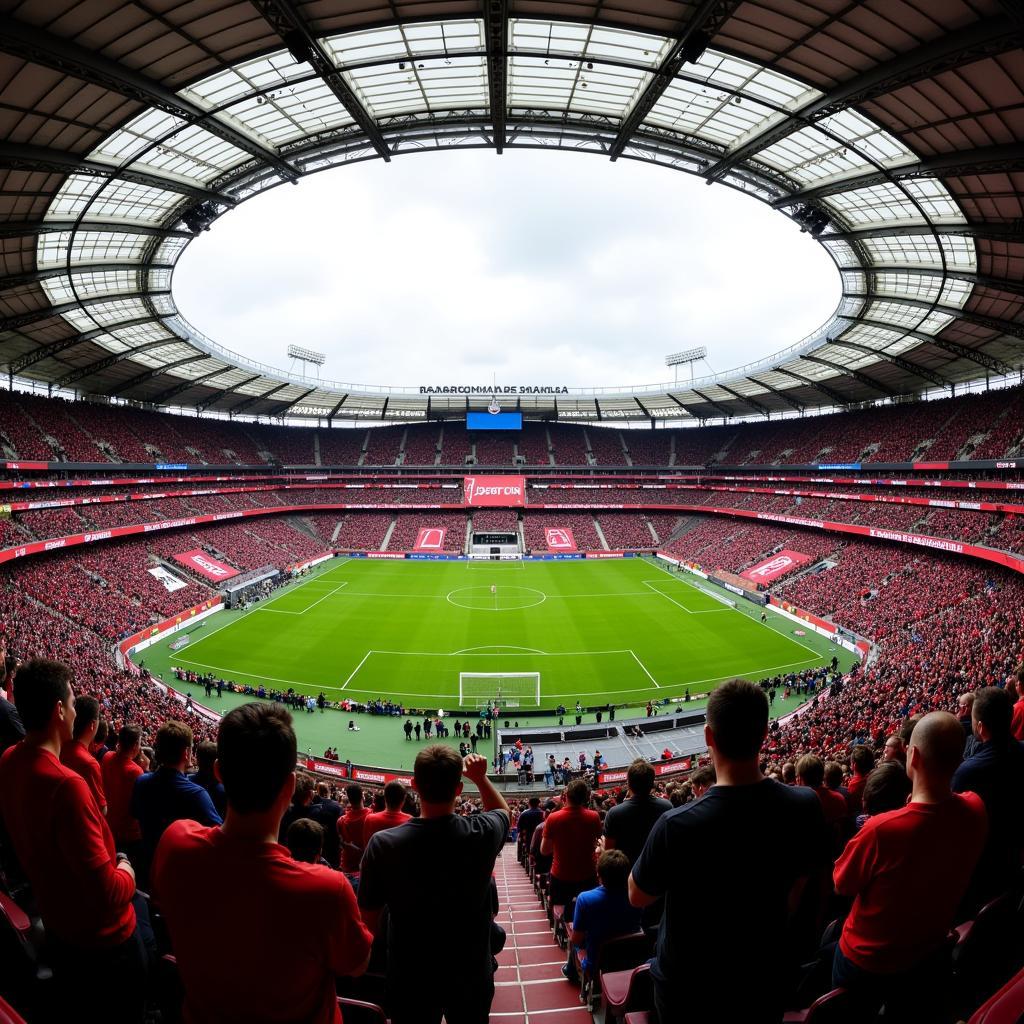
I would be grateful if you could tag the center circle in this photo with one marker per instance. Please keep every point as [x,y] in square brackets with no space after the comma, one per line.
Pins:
[504,598]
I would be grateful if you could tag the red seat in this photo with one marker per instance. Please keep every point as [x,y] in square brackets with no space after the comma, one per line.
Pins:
[638,1017]
[8,1015]
[1005,1007]
[621,990]
[831,1008]
[355,1011]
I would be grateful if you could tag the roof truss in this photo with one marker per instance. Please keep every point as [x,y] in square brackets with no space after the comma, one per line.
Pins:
[863,378]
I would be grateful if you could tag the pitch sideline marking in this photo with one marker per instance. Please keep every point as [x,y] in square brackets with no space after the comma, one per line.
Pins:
[644,667]
[500,647]
[353,673]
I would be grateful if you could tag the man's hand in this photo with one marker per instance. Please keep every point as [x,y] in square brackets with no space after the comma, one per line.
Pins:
[474,767]
[124,864]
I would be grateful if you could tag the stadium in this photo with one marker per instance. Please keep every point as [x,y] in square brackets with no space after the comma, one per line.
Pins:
[522,702]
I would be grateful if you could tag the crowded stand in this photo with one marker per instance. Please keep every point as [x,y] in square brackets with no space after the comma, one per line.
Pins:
[363,531]
[534,446]
[569,445]
[491,450]
[455,446]
[383,446]
[626,531]
[606,446]
[495,520]
[408,526]
[582,526]
[649,447]
[420,445]
[340,447]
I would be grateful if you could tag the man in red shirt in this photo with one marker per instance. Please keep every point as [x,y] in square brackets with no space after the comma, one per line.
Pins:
[392,815]
[228,890]
[861,763]
[907,871]
[350,830]
[77,756]
[1017,723]
[83,889]
[120,770]
[810,772]
[570,837]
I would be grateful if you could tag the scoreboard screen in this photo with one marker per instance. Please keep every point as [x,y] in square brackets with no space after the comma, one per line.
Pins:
[494,421]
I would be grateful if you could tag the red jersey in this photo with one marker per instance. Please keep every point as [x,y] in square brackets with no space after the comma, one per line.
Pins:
[833,805]
[908,871]
[573,833]
[76,756]
[119,775]
[350,830]
[381,820]
[1017,723]
[856,793]
[65,848]
[302,918]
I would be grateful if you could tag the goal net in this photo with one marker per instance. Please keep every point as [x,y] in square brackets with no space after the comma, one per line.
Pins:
[504,689]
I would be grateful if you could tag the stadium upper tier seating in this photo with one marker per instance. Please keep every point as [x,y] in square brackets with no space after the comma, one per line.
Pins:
[986,425]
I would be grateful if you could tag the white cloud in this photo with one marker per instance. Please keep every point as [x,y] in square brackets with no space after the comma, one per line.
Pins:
[542,268]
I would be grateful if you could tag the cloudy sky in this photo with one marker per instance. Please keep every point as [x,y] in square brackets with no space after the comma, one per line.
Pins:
[539,268]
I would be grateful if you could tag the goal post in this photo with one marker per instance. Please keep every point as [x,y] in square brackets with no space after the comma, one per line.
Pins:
[506,689]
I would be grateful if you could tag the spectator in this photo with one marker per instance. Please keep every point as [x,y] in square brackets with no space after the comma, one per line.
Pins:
[1017,726]
[627,825]
[226,891]
[120,770]
[392,815]
[350,831]
[861,763]
[76,754]
[166,795]
[907,871]
[305,841]
[570,837]
[205,776]
[886,789]
[299,808]
[529,820]
[894,749]
[326,811]
[85,892]
[11,727]
[602,913]
[702,779]
[743,819]
[443,853]
[964,705]
[810,772]
[996,774]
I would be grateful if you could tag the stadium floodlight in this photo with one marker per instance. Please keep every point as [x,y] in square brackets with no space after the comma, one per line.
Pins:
[691,355]
[307,355]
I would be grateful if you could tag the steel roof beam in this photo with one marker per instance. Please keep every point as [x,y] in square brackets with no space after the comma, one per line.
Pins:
[35,315]
[994,323]
[295,33]
[203,406]
[54,348]
[344,399]
[597,409]
[834,396]
[495,15]
[280,410]
[857,375]
[681,406]
[40,47]
[983,160]
[24,229]
[641,407]
[17,156]
[1013,232]
[1000,284]
[35,276]
[185,385]
[904,364]
[115,357]
[714,405]
[707,19]
[782,395]
[747,401]
[986,38]
[154,371]
[247,403]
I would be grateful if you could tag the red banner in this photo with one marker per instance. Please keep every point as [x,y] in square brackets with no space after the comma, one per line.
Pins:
[559,538]
[430,538]
[206,565]
[492,491]
[776,566]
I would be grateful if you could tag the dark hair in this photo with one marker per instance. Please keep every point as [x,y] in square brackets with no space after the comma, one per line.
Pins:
[206,754]
[87,711]
[737,715]
[886,788]
[304,786]
[394,795]
[810,770]
[129,735]
[577,793]
[613,870]
[101,729]
[38,686]
[355,795]
[438,772]
[173,742]
[704,776]
[640,777]
[535,801]
[256,753]
[993,709]
[862,758]
[305,840]
[907,728]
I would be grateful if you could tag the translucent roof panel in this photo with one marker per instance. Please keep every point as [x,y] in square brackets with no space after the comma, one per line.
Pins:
[561,84]
[888,202]
[591,42]
[90,247]
[707,112]
[105,282]
[290,112]
[432,85]
[402,42]
[108,313]
[120,200]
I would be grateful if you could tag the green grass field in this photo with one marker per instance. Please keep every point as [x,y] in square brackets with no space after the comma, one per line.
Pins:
[621,631]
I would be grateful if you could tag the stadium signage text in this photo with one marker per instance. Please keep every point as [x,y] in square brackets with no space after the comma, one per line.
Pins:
[490,389]
[494,490]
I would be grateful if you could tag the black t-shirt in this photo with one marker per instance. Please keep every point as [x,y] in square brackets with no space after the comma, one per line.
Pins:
[726,864]
[409,867]
[528,821]
[629,824]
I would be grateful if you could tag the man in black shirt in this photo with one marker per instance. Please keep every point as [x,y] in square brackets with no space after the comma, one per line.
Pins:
[740,913]
[529,820]
[439,852]
[627,825]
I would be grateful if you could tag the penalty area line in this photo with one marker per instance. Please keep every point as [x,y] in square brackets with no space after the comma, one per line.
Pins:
[354,672]
[644,668]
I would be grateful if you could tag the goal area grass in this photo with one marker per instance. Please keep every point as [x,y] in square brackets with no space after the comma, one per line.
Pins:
[620,631]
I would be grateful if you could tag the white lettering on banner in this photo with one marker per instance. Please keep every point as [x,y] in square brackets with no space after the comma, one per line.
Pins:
[914,538]
[102,535]
[385,554]
[1006,465]
[474,490]
[817,524]
[210,567]
[50,545]
[775,565]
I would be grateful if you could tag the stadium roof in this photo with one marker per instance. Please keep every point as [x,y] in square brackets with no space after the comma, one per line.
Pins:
[893,129]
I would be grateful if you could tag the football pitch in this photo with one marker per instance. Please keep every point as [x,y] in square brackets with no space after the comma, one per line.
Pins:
[624,631]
